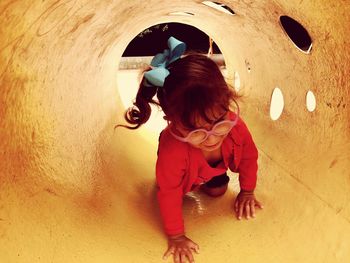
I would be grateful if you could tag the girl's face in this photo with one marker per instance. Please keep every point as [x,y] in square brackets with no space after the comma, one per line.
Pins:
[213,142]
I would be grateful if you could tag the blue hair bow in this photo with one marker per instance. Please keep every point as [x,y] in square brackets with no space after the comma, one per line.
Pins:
[157,75]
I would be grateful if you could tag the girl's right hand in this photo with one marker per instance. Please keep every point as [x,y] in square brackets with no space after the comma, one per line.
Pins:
[181,247]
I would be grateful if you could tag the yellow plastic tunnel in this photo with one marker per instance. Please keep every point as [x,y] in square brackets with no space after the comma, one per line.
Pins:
[73,189]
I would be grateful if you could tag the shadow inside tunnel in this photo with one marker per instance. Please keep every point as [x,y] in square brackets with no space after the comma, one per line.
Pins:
[199,209]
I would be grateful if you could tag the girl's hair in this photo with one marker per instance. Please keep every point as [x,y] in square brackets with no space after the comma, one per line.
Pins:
[194,88]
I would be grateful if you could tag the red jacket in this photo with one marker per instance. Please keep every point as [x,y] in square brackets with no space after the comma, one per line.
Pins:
[181,166]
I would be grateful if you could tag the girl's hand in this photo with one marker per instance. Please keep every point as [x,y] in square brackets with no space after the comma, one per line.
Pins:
[246,202]
[181,247]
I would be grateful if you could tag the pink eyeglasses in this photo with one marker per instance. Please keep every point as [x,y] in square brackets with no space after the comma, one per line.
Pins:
[200,135]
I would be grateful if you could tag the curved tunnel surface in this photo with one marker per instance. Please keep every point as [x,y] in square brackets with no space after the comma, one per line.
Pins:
[74,190]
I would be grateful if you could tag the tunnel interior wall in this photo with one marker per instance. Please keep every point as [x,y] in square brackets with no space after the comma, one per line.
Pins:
[59,100]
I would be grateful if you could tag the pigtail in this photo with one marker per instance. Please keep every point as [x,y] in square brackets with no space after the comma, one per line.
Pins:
[141,111]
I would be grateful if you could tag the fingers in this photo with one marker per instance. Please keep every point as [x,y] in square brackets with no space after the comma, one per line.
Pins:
[186,254]
[258,204]
[247,209]
[177,257]
[252,208]
[181,255]
[245,205]
[240,211]
[169,252]
[236,206]
[194,247]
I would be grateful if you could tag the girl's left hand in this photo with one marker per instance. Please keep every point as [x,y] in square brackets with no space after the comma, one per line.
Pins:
[245,203]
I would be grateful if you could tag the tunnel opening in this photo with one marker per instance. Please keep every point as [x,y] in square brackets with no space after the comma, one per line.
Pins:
[146,44]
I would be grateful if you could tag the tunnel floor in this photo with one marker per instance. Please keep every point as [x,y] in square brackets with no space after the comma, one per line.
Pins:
[121,223]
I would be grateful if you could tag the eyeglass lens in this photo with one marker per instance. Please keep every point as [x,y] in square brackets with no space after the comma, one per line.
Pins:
[220,129]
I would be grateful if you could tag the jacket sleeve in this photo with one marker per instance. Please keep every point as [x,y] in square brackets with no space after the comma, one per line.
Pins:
[248,165]
[170,172]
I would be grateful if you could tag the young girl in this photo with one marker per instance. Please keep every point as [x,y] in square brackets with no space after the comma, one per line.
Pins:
[204,138]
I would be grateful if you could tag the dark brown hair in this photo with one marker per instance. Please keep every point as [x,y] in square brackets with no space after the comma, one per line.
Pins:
[194,88]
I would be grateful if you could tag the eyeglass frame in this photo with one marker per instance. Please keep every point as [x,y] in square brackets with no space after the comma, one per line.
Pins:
[208,133]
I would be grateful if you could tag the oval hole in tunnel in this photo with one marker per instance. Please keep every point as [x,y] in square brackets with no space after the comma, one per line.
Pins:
[219,6]
[143,47]
[310,101]
[181,14]
[296,33]
[277,104]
